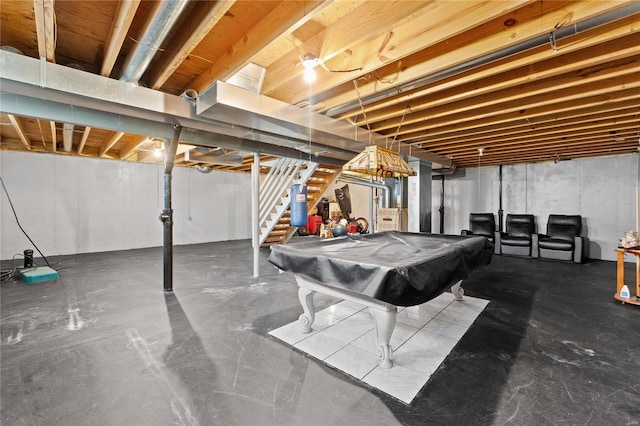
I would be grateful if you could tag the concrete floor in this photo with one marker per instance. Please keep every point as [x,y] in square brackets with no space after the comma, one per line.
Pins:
[103,345]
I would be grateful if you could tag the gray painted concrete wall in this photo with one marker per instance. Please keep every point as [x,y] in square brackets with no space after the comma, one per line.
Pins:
[419,197]
[71,205]
[600,189]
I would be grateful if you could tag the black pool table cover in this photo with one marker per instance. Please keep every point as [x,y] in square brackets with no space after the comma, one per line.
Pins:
[400,268]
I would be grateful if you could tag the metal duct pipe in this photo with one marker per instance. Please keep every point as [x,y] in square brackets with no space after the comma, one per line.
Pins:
[356,181]
[442,171]
[163,16]
[560,33]
[67,137]
[191,95]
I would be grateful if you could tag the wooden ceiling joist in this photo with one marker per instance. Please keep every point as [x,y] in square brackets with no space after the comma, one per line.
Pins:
[575,117]
[119,27]
[446,126]
[131,147]
[484,40]
[204,18]
[83,141]
[526,80]
[282,21]
[17,125]
[45,17]
[335,39]
[107,144]
[550,72]
[528,133]
[54,135]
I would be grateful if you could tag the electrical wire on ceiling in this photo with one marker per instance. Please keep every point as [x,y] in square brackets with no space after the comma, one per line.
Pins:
[310,61]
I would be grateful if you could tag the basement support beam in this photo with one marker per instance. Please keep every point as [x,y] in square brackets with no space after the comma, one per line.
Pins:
[255,213]
[170,148]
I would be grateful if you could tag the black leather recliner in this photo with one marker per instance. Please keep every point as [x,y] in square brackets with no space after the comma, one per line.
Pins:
[517,240]
[562,240]
[483,224]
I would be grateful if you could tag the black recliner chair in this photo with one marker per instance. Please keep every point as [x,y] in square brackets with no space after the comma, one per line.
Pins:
[483,224]
[562,240]
[517,240]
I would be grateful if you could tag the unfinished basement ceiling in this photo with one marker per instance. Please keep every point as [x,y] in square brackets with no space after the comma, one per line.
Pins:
[518,81]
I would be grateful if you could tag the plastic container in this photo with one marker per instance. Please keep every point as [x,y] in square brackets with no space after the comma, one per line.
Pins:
[624,292]
[313,222]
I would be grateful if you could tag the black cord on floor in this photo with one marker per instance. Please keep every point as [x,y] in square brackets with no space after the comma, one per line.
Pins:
[18,222]
[7,274]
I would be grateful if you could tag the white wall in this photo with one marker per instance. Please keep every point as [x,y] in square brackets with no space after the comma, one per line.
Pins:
[73,205]
[601,189]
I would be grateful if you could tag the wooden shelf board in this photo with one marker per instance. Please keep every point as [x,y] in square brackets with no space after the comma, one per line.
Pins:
[631,300]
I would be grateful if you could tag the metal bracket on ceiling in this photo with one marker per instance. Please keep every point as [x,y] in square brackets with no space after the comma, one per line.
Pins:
[552,40]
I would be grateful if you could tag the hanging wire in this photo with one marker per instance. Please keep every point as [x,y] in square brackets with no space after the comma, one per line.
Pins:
[400,125]
[364,113]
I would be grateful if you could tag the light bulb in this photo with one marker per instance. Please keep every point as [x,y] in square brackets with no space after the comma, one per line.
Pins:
[309,75]
[157,152]
[309,60]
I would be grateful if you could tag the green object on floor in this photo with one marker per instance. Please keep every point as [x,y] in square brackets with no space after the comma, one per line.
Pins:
[35,275]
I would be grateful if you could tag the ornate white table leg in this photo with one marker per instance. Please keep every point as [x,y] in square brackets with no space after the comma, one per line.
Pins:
[306,319]
[385,323]
[457,290]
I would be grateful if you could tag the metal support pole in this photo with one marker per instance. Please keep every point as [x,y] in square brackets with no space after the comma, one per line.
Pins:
[442,207]
[371,204]
[255,213]
[500,212]
[167,214]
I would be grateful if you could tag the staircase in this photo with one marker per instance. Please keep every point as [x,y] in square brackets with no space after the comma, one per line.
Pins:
[274,218]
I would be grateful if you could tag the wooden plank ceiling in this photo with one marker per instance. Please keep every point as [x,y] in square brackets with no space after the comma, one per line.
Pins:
[481,82]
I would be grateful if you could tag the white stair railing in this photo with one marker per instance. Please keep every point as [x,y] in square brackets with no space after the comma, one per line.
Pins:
[274,191]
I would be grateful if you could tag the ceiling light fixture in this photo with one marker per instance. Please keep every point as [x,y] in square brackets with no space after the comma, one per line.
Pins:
[381,162]
[309,61]
[158,147]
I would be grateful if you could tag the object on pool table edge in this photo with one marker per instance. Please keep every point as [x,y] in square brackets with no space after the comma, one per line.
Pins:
[339,230]
[325,231]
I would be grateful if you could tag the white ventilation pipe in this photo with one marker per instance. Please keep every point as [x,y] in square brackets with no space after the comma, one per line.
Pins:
[67,137]
[163,16]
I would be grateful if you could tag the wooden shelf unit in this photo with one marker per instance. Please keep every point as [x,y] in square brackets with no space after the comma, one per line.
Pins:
[620,276]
